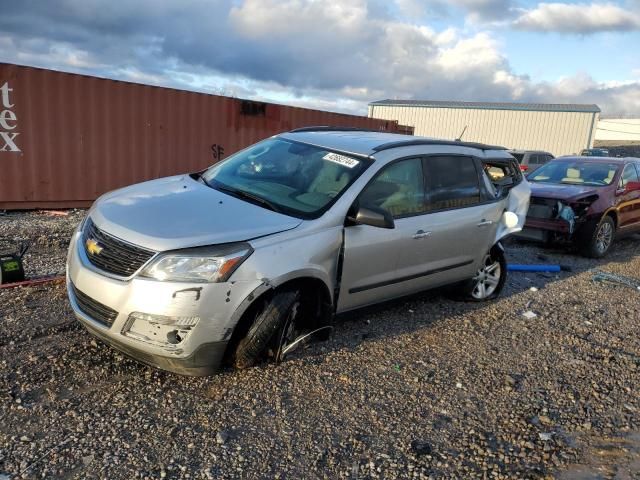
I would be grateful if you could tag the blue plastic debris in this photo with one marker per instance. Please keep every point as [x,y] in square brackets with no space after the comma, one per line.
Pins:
[534,268]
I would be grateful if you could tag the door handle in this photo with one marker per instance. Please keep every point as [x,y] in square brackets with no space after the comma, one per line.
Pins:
[485,222]
[421,234]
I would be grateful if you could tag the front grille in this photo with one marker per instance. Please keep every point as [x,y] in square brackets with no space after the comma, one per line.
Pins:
[94,309]
[112,254]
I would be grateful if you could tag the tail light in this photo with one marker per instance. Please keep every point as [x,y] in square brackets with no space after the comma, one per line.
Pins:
[524,168]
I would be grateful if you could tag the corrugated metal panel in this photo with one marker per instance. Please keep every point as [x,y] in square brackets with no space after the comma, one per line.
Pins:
[557,132]
[65,139]
[540,107]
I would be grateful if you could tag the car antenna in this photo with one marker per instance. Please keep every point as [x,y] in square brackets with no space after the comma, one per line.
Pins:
[459,139]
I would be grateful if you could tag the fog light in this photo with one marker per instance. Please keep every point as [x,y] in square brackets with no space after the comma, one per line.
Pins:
[165,320]
[161,330]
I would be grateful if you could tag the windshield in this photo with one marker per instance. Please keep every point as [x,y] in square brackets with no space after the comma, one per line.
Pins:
[575,173]
[289,177]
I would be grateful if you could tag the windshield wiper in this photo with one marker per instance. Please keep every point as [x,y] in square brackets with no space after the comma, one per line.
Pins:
[247,196]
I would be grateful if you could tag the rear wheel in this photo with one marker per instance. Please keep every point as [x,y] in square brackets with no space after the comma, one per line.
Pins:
[489,280]
[599,242]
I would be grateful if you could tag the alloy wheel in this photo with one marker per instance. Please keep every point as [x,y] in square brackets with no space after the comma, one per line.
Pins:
[487,278]
[604,236]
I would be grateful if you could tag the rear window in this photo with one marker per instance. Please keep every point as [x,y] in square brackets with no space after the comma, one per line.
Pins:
[518,156]
[576,173]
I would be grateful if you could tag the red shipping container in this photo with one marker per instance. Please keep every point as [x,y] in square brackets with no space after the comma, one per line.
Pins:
[65,139]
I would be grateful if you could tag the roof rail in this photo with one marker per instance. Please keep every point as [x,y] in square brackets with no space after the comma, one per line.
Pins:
[328,128]
[456,143]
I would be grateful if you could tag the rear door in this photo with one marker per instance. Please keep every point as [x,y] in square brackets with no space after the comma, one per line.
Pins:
[459,224]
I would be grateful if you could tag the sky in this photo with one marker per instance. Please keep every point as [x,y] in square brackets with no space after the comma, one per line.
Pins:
[340,55]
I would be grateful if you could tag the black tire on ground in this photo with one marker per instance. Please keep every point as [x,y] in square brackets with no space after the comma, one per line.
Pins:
[597,241]
[262,332]
[495,256]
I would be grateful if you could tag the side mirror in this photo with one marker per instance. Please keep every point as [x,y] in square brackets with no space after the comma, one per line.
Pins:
[633,186]
[629,187]
[373,216]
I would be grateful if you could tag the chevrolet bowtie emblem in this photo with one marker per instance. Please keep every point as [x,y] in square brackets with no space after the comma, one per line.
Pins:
[93,247]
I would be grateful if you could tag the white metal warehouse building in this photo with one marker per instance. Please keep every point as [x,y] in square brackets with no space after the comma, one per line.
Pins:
[561,129]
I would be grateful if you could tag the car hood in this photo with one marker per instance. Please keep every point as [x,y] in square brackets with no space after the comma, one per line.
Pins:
[180,212]
[561,191]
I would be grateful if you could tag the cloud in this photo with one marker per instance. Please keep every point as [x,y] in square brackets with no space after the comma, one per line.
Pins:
[335,56]
[480,11]
[475,11]
[578,18]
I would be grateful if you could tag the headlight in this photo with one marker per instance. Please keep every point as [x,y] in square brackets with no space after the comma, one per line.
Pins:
[202,264]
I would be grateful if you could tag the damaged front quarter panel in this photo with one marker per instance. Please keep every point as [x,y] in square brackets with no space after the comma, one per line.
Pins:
[506,181]
[518,203]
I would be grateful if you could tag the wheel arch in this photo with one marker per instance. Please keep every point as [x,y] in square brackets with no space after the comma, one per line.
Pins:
[614,216]
[316,302]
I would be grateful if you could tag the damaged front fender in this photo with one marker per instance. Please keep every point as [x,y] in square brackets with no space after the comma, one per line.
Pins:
[518,203]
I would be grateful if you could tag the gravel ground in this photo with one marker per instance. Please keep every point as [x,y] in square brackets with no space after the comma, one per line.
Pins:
[423,387]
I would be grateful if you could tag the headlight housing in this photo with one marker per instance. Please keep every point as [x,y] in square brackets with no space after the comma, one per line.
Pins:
[198,265]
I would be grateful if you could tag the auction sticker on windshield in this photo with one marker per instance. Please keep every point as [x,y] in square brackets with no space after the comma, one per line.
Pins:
[341,159]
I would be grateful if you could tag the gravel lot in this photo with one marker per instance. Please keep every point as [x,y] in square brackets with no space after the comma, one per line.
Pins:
[423,387]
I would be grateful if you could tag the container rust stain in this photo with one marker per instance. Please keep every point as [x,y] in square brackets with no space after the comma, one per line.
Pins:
[66,139]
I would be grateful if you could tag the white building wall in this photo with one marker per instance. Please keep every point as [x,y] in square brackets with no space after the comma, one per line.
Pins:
[618,129]
[560,133]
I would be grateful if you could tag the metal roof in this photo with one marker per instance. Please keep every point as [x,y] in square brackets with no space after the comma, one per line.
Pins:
[537,107]
[366,143]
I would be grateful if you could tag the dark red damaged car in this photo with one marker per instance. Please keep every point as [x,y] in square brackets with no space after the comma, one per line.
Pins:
[584,201]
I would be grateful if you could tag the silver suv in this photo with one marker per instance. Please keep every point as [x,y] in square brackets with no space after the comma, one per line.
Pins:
[257,253]
[531,160]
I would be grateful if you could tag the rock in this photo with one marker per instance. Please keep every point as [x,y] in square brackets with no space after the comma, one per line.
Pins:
[420,447]
[222,437]
[545,420]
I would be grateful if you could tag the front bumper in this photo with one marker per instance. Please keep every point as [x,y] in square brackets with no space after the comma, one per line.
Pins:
[543,230]
[218,306]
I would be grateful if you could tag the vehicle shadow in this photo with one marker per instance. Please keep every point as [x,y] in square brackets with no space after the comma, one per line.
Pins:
[408,314]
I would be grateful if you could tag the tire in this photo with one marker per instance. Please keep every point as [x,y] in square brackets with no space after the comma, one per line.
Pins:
[599,240]
[481,287]
[264,330]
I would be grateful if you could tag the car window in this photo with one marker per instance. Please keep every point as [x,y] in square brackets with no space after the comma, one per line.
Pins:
[295,178]
[535,159]
[628,175]
[518,156]
[451,182]
[398,188]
